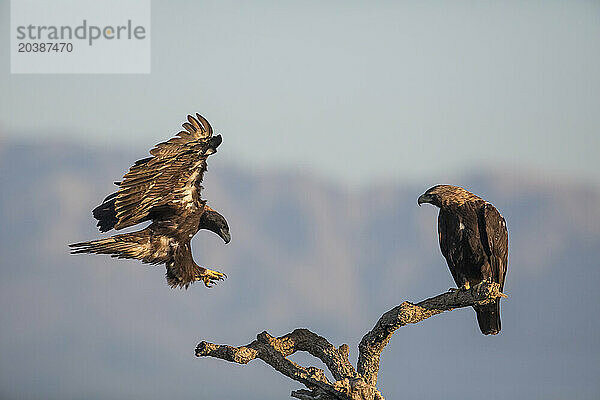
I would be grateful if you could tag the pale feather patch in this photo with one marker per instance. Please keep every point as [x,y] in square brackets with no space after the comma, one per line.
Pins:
[161,251]
[189,189]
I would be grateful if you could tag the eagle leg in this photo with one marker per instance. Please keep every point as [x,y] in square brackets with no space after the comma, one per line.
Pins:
[209,277]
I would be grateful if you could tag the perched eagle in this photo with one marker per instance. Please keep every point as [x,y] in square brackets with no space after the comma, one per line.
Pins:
[474,241]
[164,189]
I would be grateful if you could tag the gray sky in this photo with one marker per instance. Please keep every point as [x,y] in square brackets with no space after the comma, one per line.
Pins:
[351,90]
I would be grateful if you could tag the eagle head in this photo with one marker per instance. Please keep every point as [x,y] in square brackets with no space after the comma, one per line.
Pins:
[445,195]
[215,222]
[213,143]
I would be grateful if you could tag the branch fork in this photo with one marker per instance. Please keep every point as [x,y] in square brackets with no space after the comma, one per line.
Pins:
[350,383]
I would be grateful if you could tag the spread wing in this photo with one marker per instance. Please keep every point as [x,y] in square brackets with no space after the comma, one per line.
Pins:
[497,241]
[169,182]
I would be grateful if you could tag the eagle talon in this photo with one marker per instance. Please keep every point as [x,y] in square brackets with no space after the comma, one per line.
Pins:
[210,277]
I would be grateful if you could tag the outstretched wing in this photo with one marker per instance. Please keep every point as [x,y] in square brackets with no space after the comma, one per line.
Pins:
[168,182]
[497,241]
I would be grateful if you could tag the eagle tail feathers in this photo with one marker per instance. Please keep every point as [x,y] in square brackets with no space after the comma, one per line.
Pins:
[488,318]
[134,245]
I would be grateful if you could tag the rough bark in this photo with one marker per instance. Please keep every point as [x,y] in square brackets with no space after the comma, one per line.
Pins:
[350,383]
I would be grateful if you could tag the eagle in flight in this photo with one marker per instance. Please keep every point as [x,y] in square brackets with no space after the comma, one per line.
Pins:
[165,189]
[474,240]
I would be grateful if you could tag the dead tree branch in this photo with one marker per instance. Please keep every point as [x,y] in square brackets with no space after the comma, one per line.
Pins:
[350,384]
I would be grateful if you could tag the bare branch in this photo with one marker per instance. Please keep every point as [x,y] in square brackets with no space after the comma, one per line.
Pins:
[274,351]
[373,343]
[349,384]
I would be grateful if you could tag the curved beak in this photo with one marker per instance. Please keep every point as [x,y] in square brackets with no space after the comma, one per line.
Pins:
[423,199]
[225,235]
